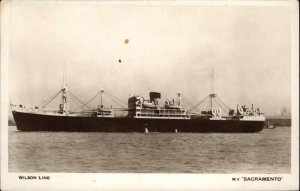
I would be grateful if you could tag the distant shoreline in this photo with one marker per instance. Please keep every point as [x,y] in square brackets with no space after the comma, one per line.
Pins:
[278,122]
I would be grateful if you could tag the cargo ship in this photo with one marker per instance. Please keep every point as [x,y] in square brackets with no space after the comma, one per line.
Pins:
[143,115]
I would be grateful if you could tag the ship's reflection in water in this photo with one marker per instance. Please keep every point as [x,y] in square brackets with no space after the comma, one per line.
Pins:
[264,152]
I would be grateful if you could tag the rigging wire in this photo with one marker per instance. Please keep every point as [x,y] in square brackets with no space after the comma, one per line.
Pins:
[220,105]
[86,104]
[224,109]
[113,99]
[215,102]
[45,103]
[75,101]
[228,108]
[79,100]
[199,103]
[116,98]
[207,106]
[207,103]
[189,102]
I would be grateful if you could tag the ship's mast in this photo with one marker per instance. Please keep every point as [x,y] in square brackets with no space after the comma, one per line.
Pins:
[101,98]
[64,106]
[212,89]
[283,111]
[179,99]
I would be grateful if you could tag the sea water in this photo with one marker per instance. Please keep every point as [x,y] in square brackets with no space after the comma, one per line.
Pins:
[268,151]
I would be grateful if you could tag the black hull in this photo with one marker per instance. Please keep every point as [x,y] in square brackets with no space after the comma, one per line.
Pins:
[39,122]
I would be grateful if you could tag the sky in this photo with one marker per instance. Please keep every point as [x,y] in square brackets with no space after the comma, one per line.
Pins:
[171,48]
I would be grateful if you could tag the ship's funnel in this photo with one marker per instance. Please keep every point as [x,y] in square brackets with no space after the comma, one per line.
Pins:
[154,96]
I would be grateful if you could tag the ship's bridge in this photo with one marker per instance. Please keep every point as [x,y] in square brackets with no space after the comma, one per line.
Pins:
[140,107]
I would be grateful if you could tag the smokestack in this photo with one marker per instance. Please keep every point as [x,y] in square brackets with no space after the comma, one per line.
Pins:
[154,96]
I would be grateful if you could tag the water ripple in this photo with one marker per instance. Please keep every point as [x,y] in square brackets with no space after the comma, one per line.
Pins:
[264,152]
